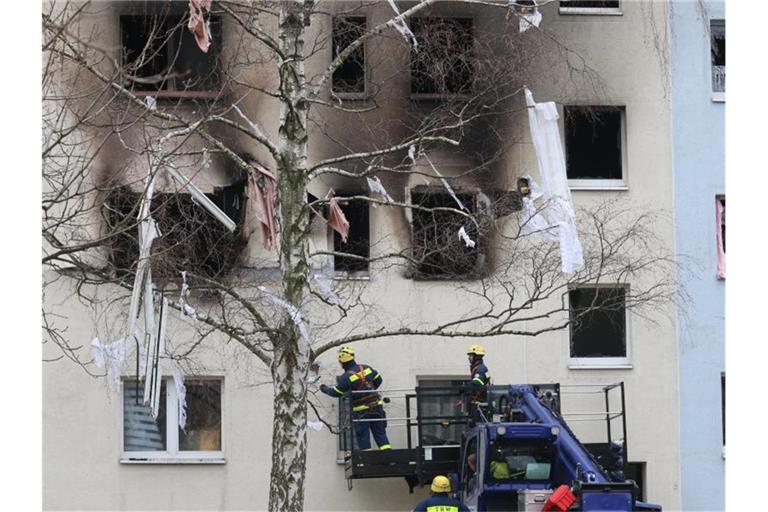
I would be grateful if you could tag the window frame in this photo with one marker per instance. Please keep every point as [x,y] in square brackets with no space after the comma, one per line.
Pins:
[593,363]
[173,93]
[590,11]
[360,95]
[172,454]
[599,183]
[331,234]
[717,96]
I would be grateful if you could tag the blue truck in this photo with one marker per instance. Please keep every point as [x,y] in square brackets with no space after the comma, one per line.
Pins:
[513,453]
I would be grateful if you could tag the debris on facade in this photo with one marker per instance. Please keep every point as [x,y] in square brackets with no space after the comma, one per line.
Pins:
[559,214]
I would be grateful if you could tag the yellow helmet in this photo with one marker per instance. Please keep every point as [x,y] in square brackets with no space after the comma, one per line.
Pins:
[346,354]
[440,484]
[477,350]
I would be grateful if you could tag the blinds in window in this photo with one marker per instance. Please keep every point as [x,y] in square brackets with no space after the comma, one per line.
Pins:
[140,431]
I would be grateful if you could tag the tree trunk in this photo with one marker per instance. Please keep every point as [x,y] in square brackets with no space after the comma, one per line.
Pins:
[291,350]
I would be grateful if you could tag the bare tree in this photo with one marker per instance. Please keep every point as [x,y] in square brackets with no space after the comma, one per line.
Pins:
[331,115]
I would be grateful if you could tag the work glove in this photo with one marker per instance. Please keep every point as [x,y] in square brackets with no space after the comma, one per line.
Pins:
[324,388]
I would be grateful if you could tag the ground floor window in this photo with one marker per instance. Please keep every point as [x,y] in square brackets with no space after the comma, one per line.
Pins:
[146,438]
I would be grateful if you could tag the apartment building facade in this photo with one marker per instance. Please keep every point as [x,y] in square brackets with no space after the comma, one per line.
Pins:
[698,100]
[99,450]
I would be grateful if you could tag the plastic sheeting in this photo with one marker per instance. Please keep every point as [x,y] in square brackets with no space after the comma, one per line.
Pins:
[111,357]
[401,27]
[465,237]
[557,215]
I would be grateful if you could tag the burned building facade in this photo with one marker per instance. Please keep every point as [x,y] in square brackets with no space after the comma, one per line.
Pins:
[434,236]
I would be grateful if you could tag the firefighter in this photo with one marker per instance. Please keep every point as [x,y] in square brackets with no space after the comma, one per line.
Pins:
[479,374]
[365,406]
[439,501]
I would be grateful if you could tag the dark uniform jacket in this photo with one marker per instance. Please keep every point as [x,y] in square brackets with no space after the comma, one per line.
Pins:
[440,502]
[358,377]
[481,379]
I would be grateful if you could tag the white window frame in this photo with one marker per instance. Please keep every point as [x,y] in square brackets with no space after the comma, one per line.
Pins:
[600,363]
[172,454]
[364,95]
[598,11]
[599,184]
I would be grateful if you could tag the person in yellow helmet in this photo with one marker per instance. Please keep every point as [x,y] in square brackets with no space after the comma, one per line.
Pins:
[440,501]
[365,406]
[478,373]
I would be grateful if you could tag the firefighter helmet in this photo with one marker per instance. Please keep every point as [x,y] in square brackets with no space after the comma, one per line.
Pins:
[346,354]
[440,484]
[477,350]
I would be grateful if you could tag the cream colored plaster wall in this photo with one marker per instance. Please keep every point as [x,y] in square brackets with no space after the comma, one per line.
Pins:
[81,421]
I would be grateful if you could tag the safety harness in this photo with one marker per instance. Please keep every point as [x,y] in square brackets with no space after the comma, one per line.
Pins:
[360,382]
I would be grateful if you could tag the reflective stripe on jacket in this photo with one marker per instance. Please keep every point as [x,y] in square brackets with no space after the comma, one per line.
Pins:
[440,502]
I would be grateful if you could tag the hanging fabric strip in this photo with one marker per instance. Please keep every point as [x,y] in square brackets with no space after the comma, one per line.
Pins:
[292,311]
[376,187]
[262,195]
[197,24]
[465,237]
[545,135]
[719,224]
[401,27]
[337,220]
[111,357]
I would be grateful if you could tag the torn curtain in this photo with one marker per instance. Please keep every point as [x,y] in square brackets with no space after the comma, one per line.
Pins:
[558,214]
[262,192]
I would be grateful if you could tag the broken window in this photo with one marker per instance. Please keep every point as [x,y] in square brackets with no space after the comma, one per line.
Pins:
[358,238]
[160,54]
[717,45]
[599,324]
[593,145]
[438,251]
[585,6]
[444,61]
[720,235]
[191,238]
[144,437]
[350,76]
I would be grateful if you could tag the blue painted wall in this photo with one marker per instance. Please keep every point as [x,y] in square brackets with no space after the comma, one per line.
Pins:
[698,130]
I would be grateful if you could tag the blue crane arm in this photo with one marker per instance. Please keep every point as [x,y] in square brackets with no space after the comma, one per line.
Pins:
[573,462]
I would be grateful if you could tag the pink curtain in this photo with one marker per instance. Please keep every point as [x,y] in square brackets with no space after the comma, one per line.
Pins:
[262,192]
[719,221]
[197,24]
[337,220]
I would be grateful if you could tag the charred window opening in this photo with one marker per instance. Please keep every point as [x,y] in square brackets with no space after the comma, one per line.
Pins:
[160,54]
[191,238]
[598,327]
[444,62]
[350,76]
[358,239]
[593,143]
[438,251]
[717,38]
